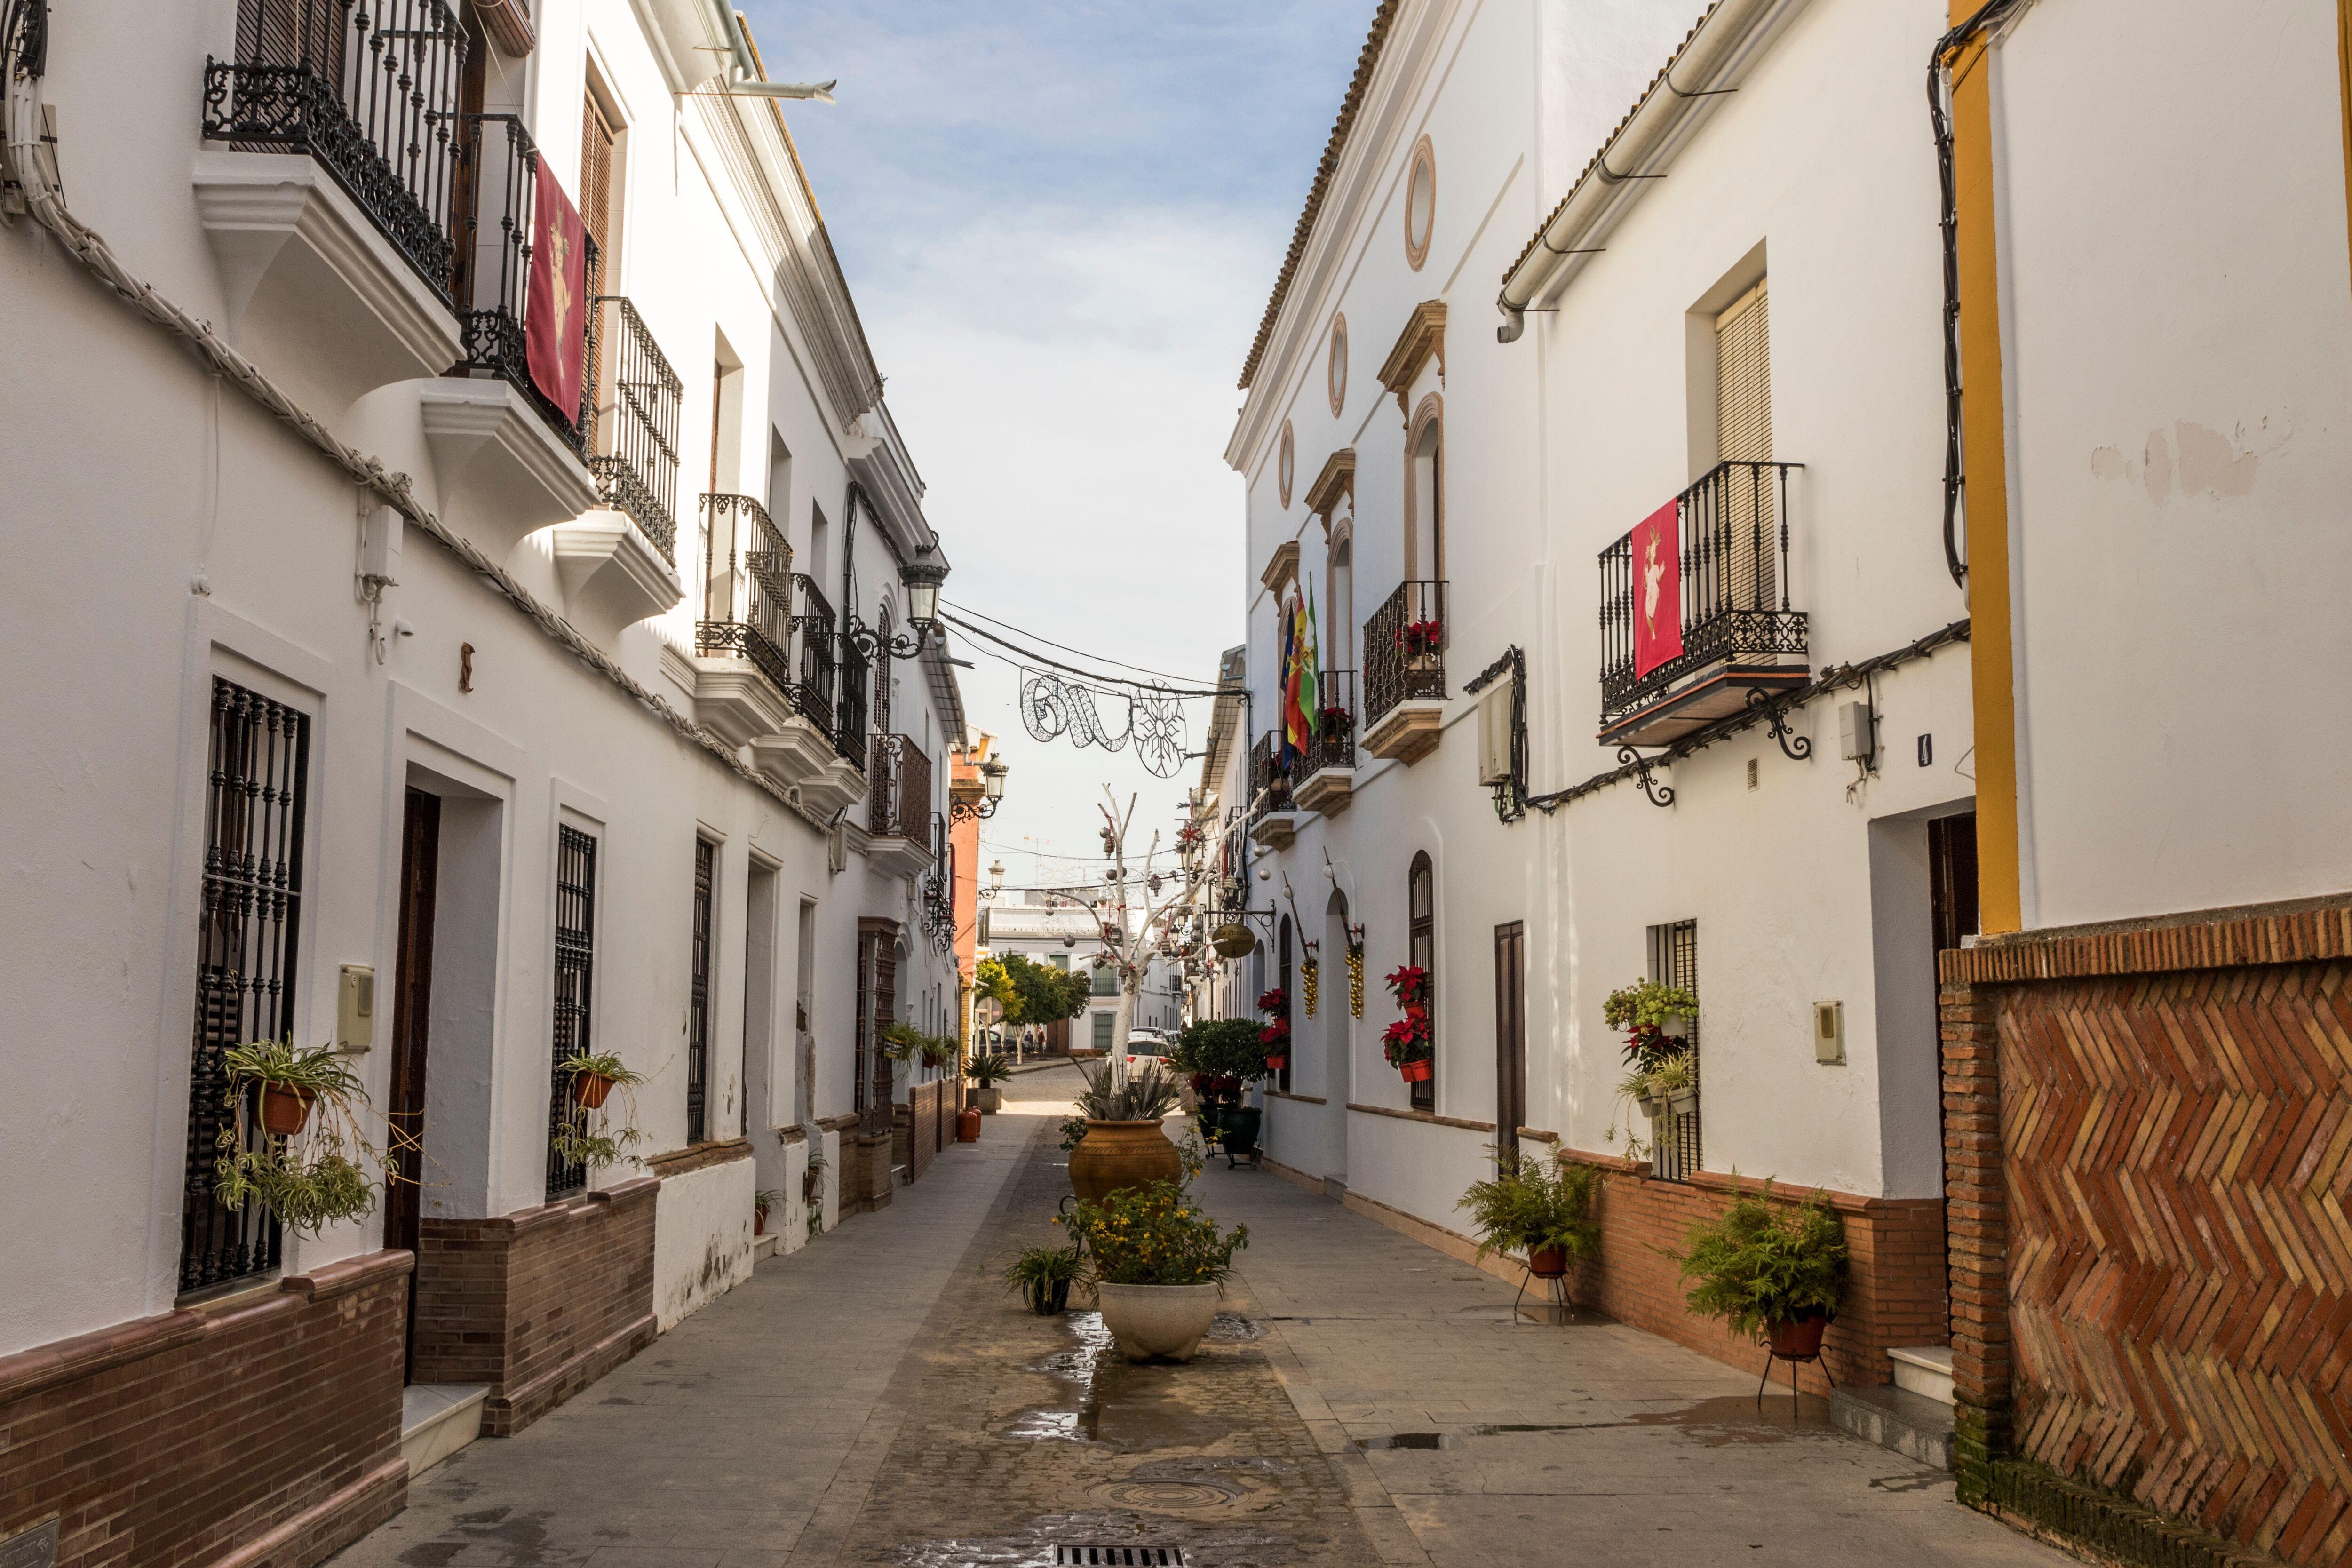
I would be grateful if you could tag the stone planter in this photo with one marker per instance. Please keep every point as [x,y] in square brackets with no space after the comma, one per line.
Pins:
[1116,1154]
[1157,1319]
[992,1099]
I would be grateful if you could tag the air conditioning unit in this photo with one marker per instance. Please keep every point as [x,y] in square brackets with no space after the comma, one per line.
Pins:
[1495,735]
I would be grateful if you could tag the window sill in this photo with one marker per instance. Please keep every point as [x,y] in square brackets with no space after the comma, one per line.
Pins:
[1429,1116]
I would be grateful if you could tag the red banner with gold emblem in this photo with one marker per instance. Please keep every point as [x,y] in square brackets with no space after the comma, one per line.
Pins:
[1657,590]
[554,318]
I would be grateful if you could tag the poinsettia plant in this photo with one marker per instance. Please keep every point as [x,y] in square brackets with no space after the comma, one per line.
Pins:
[1419,637]
[1336,719]
[1276,1036]
[1410,1038]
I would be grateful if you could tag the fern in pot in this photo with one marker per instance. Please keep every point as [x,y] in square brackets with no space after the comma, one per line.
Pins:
[1770,1271]
[1537,1206]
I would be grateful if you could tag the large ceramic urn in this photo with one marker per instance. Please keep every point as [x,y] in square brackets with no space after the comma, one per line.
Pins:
[1115,1154]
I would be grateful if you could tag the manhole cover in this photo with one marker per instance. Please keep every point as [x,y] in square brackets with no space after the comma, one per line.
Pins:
[1118,1557]
[1167,1494]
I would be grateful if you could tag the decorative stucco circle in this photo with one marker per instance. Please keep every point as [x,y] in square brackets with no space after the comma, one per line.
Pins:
[1420,203]
[1338,370]
[1286,463]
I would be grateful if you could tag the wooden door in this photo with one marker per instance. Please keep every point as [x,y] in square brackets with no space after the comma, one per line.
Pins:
[412,1011]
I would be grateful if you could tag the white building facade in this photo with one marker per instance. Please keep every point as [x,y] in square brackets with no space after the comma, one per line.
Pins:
[1744,341]
[465,729]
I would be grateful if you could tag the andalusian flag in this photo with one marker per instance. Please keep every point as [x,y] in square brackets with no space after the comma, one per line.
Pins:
[1308,659]
[1294,725]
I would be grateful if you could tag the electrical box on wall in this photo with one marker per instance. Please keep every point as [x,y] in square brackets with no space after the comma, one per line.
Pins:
[1855,741]
[355,1009]
[1495,735]
[1829,1031]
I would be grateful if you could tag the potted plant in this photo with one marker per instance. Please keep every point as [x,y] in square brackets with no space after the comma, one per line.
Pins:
[1421,639]
[761,1202]
[1043,1275]
[1158,1264]
[1536,1205]
[937,1051]
[1771,1272]
[308,1173]
[1273,1038]
[587,1136]
[1122,1144]
[1648,1011]
[1409,1043]
[988,1072]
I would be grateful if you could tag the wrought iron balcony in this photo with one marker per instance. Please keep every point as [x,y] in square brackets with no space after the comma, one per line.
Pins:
[898,791]
[747,587]
[1405,663]
[635,460]
[1325,769]
[1738,634]
[498,173]
[813,635]
[367,87]
[1269,780]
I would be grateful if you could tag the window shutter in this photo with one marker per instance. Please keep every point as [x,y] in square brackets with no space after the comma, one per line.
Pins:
[1743,408]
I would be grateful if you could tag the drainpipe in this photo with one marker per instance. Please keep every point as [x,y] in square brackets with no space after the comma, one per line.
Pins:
[1716,51]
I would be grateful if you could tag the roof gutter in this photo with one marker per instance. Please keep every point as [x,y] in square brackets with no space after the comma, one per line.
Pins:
[1713,54]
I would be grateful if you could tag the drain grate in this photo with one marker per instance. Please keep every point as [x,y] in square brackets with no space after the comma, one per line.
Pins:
[1118,1557]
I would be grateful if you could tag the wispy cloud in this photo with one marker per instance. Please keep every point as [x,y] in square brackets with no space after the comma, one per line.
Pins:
[1061,220]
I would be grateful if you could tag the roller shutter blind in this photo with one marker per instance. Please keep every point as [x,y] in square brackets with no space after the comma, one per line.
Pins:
[1743,408]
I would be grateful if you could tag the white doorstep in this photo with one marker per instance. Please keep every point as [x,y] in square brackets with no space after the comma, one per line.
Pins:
[437,1419]
[1925,1370]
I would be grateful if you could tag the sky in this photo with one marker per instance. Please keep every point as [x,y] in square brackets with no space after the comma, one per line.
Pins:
[1062,220]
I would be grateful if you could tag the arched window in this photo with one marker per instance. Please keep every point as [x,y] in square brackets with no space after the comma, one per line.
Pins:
[1282,1077]
[1420,951]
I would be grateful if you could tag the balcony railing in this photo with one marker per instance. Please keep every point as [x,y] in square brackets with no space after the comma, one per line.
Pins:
[814,633]
[370,89]
[1332,740]
[747,587]
[1732,536]
[498,174]
[1269,779]
[849,713]
[899,790]
[1405,649]
[635,460]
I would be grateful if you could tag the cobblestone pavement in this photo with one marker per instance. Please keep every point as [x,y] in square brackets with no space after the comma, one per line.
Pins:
[878,1399]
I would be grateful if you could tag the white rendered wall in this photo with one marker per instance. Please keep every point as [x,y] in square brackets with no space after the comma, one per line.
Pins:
[2177,337]
[702,1238]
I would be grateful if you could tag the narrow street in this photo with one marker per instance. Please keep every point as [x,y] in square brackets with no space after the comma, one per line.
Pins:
[878,1399]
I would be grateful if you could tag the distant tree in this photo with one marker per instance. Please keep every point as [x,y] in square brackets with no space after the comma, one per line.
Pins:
[1041,993]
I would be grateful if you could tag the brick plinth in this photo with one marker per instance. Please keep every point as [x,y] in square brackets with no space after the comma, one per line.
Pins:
[537,1304]
[260,1432]
[1895,1292]
[2147,1129]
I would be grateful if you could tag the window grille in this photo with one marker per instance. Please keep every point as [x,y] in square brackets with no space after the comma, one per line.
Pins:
[1104,1024]
[698,1006]
[255,799]
[575,948]
[1675,1151]
[1421,904]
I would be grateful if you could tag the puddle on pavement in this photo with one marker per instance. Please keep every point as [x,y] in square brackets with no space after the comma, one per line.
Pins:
[1712,1423]
[1127,1405]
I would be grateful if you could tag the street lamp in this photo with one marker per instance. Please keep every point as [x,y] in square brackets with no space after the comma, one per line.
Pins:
[991,791]
[922,577]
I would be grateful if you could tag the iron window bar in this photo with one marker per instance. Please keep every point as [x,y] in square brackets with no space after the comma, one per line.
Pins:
[1675,1149]
[1732,537]
[849,733]
[635,460]
[697,1004]
[747,587]
[575,961]
[1405,649]
[370,88]
[255,803]
[498,174]
[898,794]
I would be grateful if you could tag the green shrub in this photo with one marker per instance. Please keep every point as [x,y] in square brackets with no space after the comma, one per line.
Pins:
[1154,1234]
[1221,1047]
[1764,1263]
[1534,1203]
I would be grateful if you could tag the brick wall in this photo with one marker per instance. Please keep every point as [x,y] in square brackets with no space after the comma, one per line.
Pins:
[263,1431]
[2154,1124]
[1895,1292]
[537,1304]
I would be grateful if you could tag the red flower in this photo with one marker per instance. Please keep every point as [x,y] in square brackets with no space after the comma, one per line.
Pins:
[1274,1001]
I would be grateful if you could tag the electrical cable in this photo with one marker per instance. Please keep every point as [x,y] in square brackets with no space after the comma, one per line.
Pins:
[1080,653]
[1110,684]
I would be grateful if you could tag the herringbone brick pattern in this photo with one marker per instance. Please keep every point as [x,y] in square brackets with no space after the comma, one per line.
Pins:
[2177,1159]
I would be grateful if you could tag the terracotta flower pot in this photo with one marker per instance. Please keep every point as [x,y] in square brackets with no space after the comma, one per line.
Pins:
[1418,1071]
[759,1222]
[1796,1338]
[968,1124]
[283,1111]
[589,1089]
[1276,1063]
[1157,1319]
[1548,1262]
[1116,1154]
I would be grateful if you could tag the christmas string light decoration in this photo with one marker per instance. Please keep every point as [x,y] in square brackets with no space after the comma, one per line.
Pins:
[1356,972]
[1310,976]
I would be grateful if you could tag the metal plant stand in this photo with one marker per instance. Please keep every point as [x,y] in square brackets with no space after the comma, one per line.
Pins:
[1556,1301]
[1771,1355]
